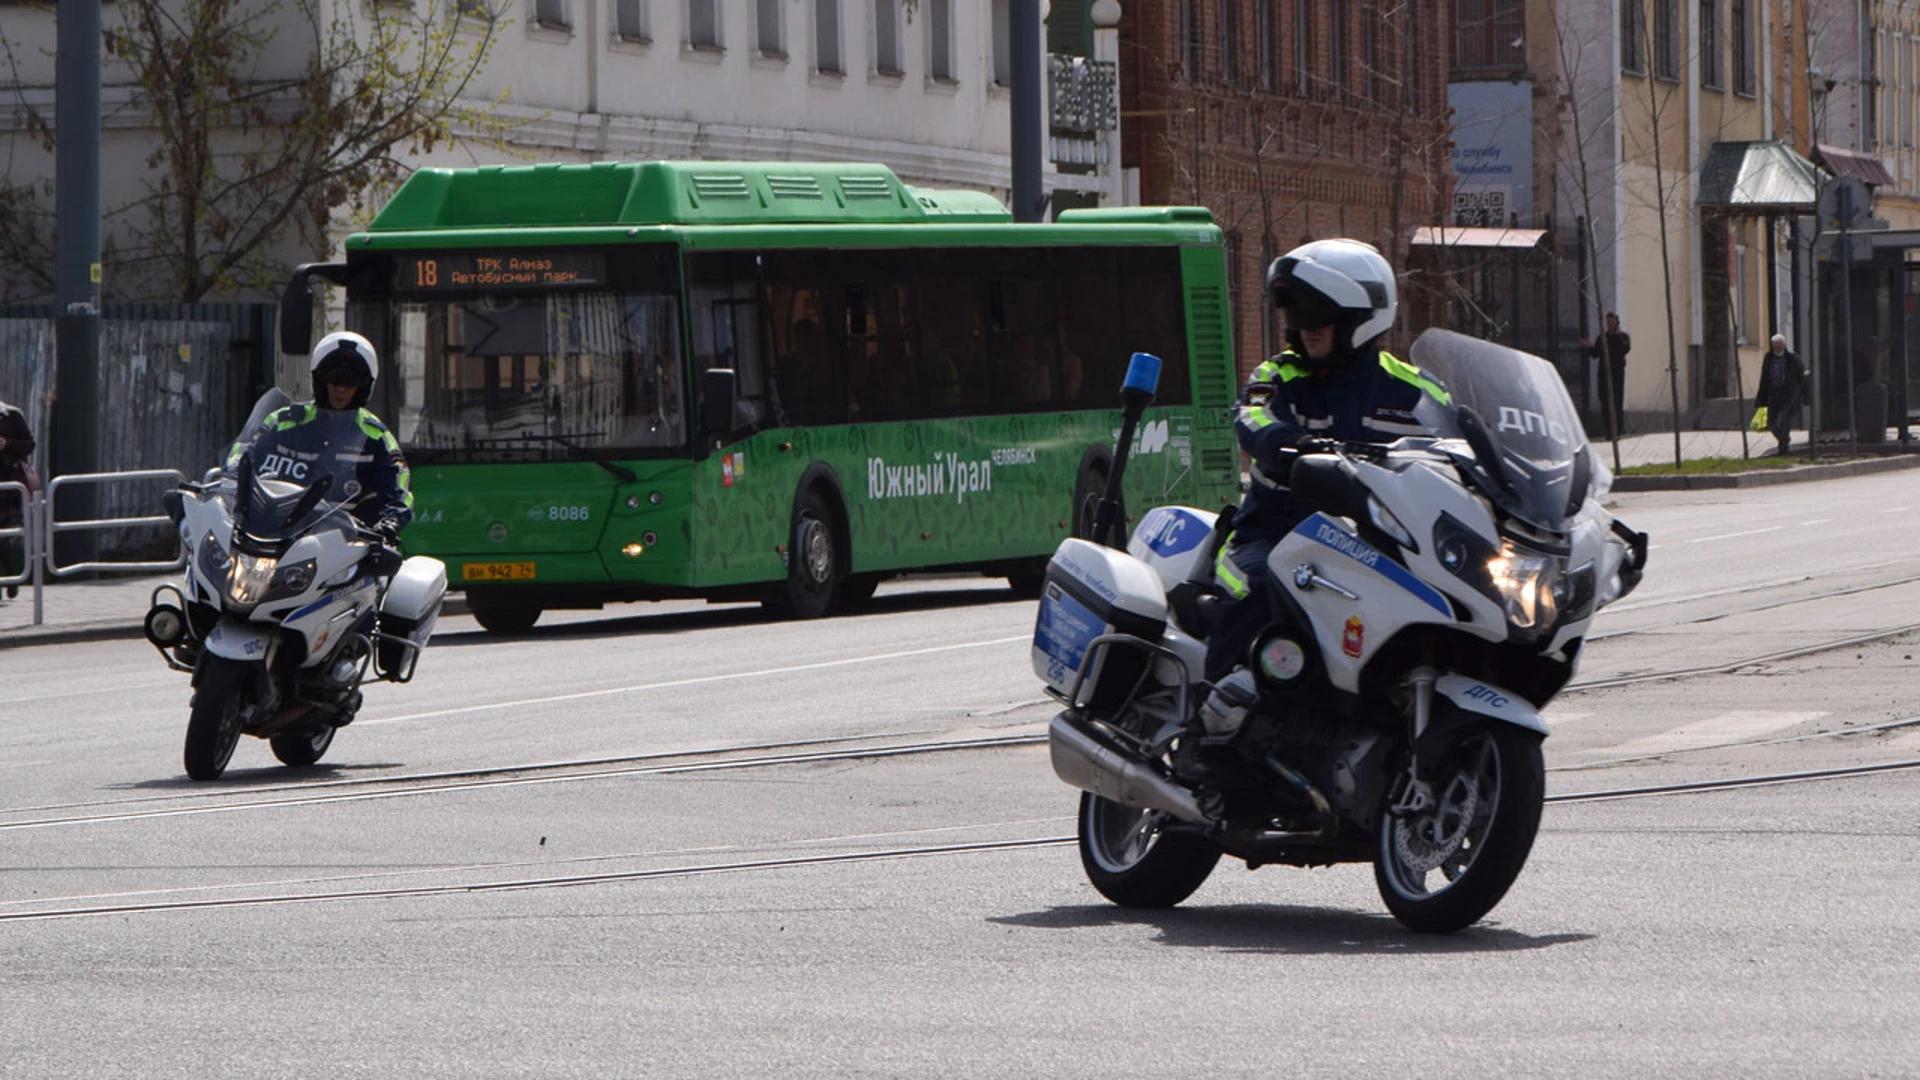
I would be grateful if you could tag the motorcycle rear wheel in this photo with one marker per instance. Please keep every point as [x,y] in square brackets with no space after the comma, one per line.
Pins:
[299,750]
[1444,869]
[213,725]
[1132,862]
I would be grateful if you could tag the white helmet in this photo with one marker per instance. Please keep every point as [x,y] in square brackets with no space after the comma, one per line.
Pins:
[343,358]
[1343,282]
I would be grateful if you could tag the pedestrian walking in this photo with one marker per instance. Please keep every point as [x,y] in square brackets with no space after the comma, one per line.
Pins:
[16,464]
[1612,349]
[1777,400]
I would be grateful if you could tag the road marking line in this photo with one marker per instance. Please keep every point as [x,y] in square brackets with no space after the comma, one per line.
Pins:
[1725,728]
[696,681]
[1729,536]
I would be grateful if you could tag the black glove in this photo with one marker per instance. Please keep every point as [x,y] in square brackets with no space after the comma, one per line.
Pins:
[1317,444]
[389,531]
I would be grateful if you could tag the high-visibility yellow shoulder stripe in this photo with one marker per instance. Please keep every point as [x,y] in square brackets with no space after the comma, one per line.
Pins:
[1407,373]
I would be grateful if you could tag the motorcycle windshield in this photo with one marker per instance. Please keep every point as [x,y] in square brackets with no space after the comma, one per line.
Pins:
[1513,411]
[263,407]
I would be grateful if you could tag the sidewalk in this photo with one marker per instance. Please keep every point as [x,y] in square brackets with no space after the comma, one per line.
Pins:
[98,610]
[114,608]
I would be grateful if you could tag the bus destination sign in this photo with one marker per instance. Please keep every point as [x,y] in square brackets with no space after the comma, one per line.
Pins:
[498,271]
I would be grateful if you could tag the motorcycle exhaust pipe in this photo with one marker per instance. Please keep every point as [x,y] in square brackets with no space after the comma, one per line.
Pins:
[1091,761]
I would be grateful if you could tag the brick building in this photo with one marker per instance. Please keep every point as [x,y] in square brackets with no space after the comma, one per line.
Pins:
[1291,120]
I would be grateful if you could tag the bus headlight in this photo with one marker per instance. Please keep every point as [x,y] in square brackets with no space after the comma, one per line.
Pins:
[1527,582]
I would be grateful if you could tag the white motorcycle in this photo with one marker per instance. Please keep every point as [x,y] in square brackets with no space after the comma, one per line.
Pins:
[1391,711]
[288,607]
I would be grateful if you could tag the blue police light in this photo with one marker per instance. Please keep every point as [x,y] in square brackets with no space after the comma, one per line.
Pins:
[1143,372]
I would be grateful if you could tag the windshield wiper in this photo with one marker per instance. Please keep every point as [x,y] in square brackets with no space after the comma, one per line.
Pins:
[625,475]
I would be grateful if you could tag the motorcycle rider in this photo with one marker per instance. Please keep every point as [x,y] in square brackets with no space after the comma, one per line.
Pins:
[1332,382]
[336,434]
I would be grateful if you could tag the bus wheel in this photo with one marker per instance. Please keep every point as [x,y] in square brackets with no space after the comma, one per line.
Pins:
[1086,501]
[501,615]
[856,590]
[1027,581]
[813,561]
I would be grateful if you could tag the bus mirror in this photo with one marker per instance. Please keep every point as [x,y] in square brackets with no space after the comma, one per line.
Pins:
[296,305]
[717,393]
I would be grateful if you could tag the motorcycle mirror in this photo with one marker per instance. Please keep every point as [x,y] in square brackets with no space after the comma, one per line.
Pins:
[718,389]
[1329,481]
[312,498]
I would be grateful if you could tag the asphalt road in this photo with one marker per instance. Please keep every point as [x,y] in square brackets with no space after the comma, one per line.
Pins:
[577,854]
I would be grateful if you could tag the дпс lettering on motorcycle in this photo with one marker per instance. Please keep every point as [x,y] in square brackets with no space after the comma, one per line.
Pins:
[289,604]
[1390,712]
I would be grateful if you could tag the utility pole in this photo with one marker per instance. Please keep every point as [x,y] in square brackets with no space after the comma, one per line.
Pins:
[76,412]
[1023,40]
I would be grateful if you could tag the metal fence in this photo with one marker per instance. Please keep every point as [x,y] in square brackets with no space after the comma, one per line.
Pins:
[176,381]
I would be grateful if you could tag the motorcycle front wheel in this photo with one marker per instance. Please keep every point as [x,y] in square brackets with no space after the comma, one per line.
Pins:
[1444,868]
[213,725]
[1133,862]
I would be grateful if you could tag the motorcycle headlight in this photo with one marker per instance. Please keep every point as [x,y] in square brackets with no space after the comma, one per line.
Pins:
[250,578]
[1528,583]
[292,580]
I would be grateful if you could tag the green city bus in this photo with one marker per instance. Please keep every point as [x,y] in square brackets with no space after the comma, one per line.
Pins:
[770,381]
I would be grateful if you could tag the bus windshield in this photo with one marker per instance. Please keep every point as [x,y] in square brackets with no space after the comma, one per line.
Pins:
[531,374]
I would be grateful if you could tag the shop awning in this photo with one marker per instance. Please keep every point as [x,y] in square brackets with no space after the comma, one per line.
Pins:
[1863,167]
[1751,178]
[1480,236]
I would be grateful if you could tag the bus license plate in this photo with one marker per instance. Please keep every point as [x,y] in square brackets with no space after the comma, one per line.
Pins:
[497,571]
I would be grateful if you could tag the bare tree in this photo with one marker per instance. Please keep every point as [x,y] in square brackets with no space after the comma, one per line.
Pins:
[242,160]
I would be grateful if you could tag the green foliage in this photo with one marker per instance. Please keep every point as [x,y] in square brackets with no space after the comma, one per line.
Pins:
[250,151]
[1715,465]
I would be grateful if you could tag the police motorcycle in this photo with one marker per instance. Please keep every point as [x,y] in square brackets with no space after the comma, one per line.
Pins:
[1391,712]
[289,605]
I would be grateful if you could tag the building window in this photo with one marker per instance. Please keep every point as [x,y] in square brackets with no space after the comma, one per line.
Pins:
[1302,46]
[1740,36]
[1710,45]
[1264,27]
[826,37]
[940,40]
[1229,41]
[703,24]
[630,20]
[1633,37]
[1902,86]
[1870,102]
[1489,34]
[769,36]
[1410,60]
[1370,51]
[1337,47]
[1189,16]
[552,14]
[1002,44]
[886,37]
[1666,39]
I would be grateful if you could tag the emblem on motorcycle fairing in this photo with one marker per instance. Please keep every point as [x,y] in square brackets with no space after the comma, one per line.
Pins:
[352,489]
[1354,639]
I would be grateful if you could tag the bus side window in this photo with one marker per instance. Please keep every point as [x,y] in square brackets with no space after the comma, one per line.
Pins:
[880,363]
[724,295]
[1021,344]
[949,313]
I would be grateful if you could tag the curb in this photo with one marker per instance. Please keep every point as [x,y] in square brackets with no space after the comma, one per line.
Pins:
[1767,477]
[122,630]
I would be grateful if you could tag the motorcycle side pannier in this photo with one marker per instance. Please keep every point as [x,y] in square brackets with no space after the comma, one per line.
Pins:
[1091,591]
[411,609]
